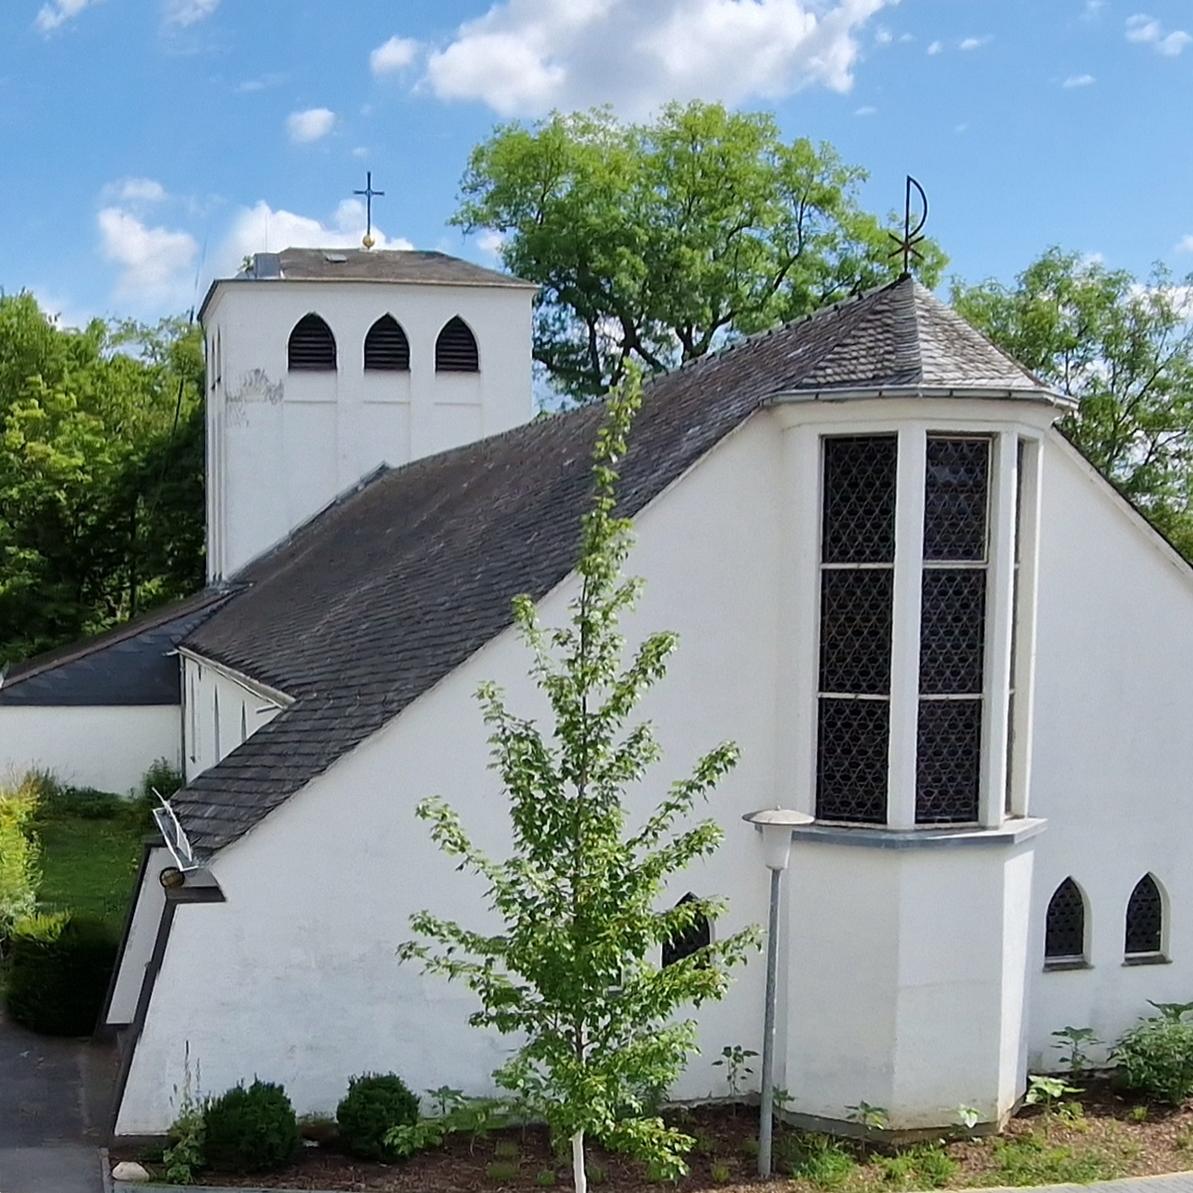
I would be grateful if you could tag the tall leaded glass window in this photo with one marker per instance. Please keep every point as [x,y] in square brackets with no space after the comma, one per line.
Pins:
[856,598]
[952,629]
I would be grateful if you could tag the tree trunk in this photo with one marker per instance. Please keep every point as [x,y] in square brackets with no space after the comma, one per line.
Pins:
[579,1176]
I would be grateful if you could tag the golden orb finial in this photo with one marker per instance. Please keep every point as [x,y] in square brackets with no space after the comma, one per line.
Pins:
[368,241]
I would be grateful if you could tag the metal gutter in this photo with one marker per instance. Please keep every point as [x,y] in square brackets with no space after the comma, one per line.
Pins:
[1044,397]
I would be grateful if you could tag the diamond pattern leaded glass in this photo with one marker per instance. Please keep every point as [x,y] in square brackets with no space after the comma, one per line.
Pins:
[955,499]
[948,748]
[855,630]
[1145,919]
[859,499]
[851,760]
[952,631]
[1064,929]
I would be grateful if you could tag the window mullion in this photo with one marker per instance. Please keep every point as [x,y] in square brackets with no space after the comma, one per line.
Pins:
[905,644]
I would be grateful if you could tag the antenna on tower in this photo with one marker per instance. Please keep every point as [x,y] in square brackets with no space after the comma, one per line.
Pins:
[906,244]
[174,835]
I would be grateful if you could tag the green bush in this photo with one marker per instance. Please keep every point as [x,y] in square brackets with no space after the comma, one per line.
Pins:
[20,873]
[250,1130]
[58,972]
[1155,1058]
[374,1105]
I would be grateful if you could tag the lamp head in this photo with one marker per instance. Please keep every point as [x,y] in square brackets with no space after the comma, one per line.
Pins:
[776,825]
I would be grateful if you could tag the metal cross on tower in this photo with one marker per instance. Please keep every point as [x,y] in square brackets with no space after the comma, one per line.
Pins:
[369,194]
[906,244]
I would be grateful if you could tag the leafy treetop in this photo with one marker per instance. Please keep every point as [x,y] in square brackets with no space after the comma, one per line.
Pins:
[653,242]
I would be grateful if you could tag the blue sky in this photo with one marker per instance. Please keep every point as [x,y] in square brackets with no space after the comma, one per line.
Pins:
[145,141]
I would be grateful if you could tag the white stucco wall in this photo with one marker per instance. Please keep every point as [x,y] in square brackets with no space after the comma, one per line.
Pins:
[296,974]
[108,747]
[281,445]
[1113,750]
[138,945]
[905,972]
[220,711]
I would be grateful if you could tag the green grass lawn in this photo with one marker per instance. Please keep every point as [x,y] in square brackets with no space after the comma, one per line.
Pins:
[89,864]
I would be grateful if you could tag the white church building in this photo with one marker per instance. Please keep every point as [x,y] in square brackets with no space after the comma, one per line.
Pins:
[928,622]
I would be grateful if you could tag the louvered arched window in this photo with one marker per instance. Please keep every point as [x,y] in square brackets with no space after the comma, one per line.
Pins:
[312,346]
[1064,929]
[386,346]
[455,349]
[1145,921]
[683,944]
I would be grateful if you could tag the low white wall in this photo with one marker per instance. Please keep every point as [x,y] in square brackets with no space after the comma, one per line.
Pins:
[109,747]
[138,946]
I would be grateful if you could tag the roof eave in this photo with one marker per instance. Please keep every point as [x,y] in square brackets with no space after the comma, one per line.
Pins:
[512,284]
[1045,397]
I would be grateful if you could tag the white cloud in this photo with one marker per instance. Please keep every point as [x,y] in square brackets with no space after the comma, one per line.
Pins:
[525,57]
[1079,81]
[360,151]
[904,38]
[884,37]
[154,263]
[1147,30]
[936,47]
[490,242]
[136,190]
[393,55]
[1185,244]
[1092,10]
[56,13]
[866,110]
[260,229]
[972,43]
[189,12]
[260,83]
[310,125]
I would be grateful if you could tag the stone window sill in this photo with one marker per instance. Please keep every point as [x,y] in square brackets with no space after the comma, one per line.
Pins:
[1146,959]
[1010,832]
[1060,964]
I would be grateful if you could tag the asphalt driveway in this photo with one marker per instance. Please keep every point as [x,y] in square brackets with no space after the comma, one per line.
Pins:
[53,1102]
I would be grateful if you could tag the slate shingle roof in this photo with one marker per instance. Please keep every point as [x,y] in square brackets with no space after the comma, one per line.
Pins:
[396,585]
[390,265]
[131,664]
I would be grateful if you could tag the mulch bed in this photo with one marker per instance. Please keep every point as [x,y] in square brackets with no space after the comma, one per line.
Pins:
[724,1158]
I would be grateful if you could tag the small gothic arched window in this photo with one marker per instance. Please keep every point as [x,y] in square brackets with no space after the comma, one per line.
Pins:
[455,349]
[683,944]
[386,346]
[1145,920]
[312,346]
[1064,929]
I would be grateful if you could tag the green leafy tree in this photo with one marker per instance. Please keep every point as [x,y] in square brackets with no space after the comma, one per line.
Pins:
[101,473]
[1123,347]
[573,969]
[654,242]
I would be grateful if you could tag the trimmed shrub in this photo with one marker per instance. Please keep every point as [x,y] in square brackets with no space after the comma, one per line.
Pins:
[58,972]
[250,1130]
[374,1105]
[1155,1058]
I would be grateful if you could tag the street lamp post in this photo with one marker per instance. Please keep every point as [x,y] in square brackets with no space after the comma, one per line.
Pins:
[775,825]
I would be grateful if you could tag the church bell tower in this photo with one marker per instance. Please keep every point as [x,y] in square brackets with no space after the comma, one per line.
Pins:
[323,365]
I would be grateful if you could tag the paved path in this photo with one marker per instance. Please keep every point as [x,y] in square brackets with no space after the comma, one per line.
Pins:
[53,1099]
[1181,1182]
